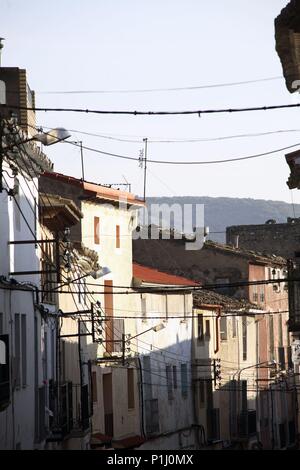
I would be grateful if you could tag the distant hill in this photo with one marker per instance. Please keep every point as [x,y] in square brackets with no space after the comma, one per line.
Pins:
[221,212]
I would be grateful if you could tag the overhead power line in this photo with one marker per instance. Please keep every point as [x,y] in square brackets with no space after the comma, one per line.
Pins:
[171,140]
[187,162]
[154,90]
[198,112]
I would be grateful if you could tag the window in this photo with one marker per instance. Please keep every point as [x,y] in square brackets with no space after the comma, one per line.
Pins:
[202,393]
[184,380]
[96,230]
[169,382]
[175,377]
[244,338]
[262,294]
[167,309]
[94,387]
[207,329]
[118,332]
[254,293]
[17,350]
[234,327]
[200,328]
[130,388]
[281,357]
[118,244]
[144,306]
[223,328]
[186,305]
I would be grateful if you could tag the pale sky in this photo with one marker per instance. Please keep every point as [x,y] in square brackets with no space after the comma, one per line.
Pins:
[146,44]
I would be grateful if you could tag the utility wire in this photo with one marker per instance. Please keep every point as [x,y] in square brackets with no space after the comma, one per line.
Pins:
[188,162]
[170,140]
[198,112]
[154,90]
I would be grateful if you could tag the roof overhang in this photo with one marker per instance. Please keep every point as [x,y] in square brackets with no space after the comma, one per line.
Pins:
[293,161]
[58,212]
[287,36]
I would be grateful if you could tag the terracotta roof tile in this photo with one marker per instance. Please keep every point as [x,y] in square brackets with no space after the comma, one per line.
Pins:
[153,276]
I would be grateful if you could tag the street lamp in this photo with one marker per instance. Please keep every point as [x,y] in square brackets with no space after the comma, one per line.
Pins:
[239,371]
[102,271]
[46,138]
[155,328]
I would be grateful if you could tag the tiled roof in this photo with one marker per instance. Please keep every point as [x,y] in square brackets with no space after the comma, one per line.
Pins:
[153,276]
[251,255]
[97,190]
[208,297]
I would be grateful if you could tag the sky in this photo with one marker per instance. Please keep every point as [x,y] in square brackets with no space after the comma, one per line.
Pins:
[118,45]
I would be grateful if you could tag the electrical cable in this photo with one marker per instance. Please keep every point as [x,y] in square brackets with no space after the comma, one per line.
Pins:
[169,140]
[198,112]
[187,162]
[154,90]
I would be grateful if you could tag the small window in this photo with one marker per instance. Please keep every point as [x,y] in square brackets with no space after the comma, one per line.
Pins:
[167,307]
[234,327]
[223,328]
[118,243]
[186,305]
[144,307]
[254,293]
[262,294]
[175,377]
[200,328]
[207,329]
[130,388]
[96,230]
[184,380]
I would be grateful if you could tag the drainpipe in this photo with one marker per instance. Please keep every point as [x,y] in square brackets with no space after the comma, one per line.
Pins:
[142,420]
[217,330]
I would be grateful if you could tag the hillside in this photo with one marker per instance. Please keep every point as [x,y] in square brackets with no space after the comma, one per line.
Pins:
[221,212]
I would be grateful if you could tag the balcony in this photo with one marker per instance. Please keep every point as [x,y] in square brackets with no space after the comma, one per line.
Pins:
[62,421]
